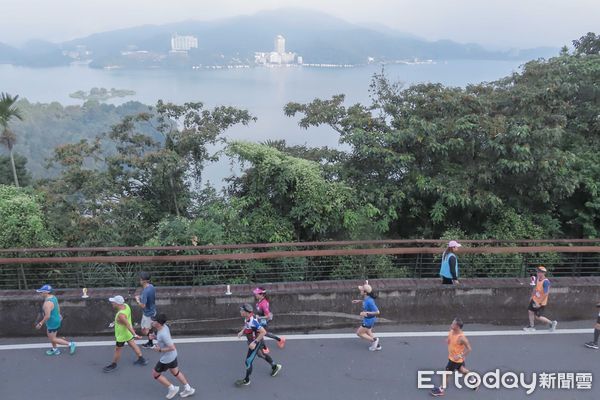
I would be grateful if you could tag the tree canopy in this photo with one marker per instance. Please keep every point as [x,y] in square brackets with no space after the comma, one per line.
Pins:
[515,158]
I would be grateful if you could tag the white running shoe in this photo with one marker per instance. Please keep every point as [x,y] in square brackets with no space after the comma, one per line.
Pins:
[187,393]
[375,344]
[529,329]
[553,326]
[172,392]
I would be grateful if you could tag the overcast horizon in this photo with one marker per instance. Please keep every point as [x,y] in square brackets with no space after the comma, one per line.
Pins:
[506,23]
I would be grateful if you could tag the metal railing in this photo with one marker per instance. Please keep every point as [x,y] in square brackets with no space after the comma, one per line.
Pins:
[285,262]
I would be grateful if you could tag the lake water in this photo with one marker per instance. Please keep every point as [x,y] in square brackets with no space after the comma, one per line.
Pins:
[263,91]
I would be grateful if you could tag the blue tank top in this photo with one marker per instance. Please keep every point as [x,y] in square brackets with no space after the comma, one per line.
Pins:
[54,320]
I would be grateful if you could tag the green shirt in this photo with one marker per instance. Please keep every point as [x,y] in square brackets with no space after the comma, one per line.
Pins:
[122,333]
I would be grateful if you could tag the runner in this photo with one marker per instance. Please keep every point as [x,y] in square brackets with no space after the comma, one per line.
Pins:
[265,316]
[53,319]
[594,344]
[458,348]
[255,334]
[124,333]
[148,304]
[539,299]
[369,314]
[168,360]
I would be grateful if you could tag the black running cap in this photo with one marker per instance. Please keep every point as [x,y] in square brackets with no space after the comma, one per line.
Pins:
[160,318]
[246,307]
[145,276]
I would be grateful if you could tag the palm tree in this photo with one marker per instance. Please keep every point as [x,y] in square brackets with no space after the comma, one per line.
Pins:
[8,110]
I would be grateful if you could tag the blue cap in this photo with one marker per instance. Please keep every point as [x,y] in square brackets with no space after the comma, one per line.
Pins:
[45,289]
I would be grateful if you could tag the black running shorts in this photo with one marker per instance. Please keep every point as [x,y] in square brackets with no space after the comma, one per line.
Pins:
[160,367]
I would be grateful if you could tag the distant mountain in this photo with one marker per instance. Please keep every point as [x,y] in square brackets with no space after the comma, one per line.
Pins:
[318,37]
[9,54]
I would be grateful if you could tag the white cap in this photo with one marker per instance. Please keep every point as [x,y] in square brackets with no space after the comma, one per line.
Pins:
[454,243]
[117,300]
[365,288]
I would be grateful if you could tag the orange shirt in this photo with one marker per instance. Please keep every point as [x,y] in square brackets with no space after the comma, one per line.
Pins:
[538,296]
[455,347]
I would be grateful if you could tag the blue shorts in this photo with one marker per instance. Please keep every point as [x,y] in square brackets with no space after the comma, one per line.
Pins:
[368,323]
[52,330]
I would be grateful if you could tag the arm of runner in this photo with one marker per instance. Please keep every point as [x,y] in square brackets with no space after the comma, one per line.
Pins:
[260,334]
[48,306]
[464,341]
[141,300]
[165,349]
[124,321]
[452,262]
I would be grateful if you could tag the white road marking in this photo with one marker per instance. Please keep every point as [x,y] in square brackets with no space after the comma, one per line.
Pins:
[318,336]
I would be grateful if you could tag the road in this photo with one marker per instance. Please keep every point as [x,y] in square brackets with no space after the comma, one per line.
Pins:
[317,366]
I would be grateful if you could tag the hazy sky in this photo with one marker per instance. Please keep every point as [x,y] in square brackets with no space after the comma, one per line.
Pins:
[519,23]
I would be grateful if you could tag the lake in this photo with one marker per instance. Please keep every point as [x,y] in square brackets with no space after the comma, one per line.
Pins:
[263,91]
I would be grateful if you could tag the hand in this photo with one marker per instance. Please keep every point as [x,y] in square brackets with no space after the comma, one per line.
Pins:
[111,325]
[38,325]
[252,345]
[456,282]
[156,348]
[457,357]
[136,336]
[137,298]
[356,301]
[363,314]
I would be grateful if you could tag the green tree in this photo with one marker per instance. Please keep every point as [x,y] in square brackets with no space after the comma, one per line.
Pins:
[285,197]
[118,196]
[6,176]
[22,220]
[8,111]
[588,44]
[429,157]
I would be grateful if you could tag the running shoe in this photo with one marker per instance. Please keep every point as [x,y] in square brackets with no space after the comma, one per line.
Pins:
[266,350]
[529,329]
[173,390]
[148,345]
[72,347]
[553,326]
[110,368]
[53,352]
[140,361]
[281,342]
[437,392]
[275,370]
[374,345]
[187,392]
[591,345]
[242,382]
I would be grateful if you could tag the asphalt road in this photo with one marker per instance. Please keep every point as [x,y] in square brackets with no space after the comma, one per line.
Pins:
[314,367]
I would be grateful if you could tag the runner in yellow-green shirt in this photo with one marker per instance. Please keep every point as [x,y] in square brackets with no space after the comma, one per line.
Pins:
[124,333]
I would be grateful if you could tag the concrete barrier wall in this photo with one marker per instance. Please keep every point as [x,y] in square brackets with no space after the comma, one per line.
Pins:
[310,306]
